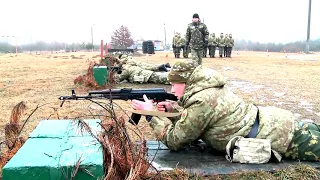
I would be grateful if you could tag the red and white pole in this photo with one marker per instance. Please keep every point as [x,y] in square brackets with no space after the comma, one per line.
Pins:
[106,48]
[101,49]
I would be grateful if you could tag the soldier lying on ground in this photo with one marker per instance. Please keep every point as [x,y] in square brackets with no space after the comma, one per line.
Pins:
[215,115]
[138,72]
[125,59]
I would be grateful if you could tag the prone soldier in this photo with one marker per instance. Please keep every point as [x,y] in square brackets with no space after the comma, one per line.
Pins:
[139,72]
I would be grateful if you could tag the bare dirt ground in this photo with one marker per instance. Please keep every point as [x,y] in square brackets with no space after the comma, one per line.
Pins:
[291,83]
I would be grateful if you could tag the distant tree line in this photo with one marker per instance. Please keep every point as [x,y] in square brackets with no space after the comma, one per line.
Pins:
[297,46]
[122,39]
[43,46]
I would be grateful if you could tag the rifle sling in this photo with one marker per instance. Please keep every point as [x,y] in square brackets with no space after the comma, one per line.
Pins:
[155,113]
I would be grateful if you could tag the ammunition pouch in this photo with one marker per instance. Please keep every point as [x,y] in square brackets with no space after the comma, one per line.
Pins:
[250,150]
[138,79]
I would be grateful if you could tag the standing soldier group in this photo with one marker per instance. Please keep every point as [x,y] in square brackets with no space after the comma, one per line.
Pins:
[198,37]
[224,43]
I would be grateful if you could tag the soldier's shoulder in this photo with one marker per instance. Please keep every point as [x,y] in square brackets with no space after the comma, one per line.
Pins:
[203,24]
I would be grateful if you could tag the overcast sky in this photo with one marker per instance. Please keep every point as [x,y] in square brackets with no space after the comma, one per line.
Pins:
[71,20]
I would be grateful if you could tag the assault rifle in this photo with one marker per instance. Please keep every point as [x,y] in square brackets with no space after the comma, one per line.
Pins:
[155,94]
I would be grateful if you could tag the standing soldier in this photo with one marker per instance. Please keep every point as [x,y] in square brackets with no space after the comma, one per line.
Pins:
[197,36]
[212,45]
[221,44]
[231,44]
[226,44]
[175,43]
[184,47]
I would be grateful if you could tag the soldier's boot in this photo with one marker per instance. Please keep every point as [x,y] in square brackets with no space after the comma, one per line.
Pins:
[214,51]
[167,65]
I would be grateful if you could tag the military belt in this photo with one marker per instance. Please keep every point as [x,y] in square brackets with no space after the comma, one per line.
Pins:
[254,130]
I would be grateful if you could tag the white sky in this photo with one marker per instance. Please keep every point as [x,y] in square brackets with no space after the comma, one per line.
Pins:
[70,20]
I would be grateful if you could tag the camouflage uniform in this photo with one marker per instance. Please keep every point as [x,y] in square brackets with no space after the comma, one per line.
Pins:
[184,47]
[212,44]
[126,59]
[197,39]
[131,68]
[205,51]
[221,44]
[176,45]
[129,72]
[230,45]
[215,114]
[226,44]
[305,144]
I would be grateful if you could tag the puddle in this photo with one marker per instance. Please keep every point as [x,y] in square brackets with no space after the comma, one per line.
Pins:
[305,57]
[227,68]
[278,98]
[244,86]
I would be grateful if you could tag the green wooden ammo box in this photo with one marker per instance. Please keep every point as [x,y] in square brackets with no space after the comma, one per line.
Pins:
[100,74]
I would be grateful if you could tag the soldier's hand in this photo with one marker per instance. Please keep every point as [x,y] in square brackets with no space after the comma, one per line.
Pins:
[164,105]
[142,105]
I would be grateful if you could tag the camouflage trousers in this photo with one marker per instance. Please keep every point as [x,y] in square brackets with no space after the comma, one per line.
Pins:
[205,52]
[212,51]
[305,144]
[177,51]
[159,78]
[221,50]
[229,50]
[196,55]
[225,51]
[186,51]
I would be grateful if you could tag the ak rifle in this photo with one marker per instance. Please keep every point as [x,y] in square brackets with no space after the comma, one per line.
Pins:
[155,94]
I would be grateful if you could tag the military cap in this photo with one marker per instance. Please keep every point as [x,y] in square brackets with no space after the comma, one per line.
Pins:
[181,70]
[196,15]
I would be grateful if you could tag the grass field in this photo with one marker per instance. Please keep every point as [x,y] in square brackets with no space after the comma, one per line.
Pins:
[291,83]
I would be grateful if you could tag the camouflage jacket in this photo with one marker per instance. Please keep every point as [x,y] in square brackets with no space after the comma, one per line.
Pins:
[221,41]
[215,114]
[129,71]
[176,41]
[212,41]
[130,61]
[197,34]
[182,41]
[231,42]
[226,41]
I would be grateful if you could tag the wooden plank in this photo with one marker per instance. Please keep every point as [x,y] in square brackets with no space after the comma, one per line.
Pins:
[206,161]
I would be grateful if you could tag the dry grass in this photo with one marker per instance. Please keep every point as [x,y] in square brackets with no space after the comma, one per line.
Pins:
[39,79]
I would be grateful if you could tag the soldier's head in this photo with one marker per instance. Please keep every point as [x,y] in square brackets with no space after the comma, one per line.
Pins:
[179,74]
[213,34]
[178,35]
[195,17]
[230,35]
[221,34]
[226,35]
